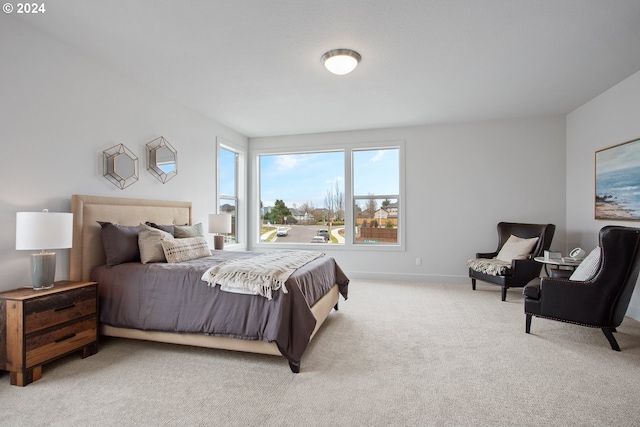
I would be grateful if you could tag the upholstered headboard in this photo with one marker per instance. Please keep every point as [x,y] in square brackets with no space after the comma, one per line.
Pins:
[87,251]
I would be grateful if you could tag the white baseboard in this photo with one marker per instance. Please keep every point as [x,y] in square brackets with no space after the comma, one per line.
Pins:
[431,278]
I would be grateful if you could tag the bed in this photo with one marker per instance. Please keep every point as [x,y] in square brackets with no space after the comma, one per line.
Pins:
[169,302]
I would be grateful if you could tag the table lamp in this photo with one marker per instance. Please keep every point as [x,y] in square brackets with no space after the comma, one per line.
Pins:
[219,224]
[41,231]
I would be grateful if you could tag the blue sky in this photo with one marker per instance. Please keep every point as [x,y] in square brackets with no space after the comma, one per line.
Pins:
[306,178]
[227,172]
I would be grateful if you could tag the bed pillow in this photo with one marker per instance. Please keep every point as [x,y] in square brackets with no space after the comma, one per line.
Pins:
[184,231]
[188,248]
[150,243]
[516,248]
[120,243]
[588,267]
[168,228]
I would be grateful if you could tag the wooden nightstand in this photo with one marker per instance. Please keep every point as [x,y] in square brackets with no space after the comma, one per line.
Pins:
[37,327]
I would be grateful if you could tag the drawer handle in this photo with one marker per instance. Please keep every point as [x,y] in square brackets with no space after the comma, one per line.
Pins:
[65,307]
[66,337]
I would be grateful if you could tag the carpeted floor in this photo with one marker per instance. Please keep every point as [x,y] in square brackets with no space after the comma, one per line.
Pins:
[396,354]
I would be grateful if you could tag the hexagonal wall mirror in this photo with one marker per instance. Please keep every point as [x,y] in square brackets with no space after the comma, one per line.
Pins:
[162,159]
[120,166]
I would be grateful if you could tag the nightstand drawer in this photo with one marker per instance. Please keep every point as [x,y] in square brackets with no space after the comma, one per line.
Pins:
[54,309]
[49,344]
[37,327]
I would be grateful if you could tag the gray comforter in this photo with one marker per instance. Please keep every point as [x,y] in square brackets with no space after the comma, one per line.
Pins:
[173,298]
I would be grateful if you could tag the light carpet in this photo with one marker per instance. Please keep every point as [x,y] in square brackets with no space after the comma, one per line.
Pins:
[395,354]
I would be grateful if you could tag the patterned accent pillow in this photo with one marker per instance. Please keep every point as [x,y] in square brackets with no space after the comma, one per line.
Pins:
[587,268]
[185,249]
[182,231]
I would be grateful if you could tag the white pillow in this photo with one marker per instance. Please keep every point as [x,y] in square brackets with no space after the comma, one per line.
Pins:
[516,248]
[150,244]
[587,268]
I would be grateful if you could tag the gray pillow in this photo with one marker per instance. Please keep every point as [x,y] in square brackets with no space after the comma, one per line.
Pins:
[183,231]
[150,244]
[168,228]
[120,243]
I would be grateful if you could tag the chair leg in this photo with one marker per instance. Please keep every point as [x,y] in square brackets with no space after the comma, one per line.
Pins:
[527,327]
[473,284]
[608,332]
[504,293]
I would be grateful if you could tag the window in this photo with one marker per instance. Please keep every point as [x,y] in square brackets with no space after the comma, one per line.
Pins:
[228,188]
[340,196]
[303,193]
[376,193]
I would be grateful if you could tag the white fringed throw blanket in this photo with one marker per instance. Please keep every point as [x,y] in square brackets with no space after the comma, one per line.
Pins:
[261,274]
[491,266]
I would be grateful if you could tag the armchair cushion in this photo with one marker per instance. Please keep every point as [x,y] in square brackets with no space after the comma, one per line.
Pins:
[516,248]
[587,268]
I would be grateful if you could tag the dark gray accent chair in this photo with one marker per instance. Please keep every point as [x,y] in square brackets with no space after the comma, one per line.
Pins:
[522,271]
[600,302]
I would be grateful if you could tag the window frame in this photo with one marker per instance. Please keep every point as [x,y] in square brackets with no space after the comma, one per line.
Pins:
[348,149]
[240,189]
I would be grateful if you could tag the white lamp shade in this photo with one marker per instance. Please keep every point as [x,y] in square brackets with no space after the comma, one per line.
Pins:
[44,230]
[220,223]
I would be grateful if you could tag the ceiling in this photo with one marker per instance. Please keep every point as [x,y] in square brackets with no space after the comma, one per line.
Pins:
[254,65]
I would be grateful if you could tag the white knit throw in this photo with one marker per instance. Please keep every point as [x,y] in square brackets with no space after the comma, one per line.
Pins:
[261,274]
[491,266]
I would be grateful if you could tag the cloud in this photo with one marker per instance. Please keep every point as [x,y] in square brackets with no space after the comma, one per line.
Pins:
[334,180]
[379,155]
[287,162]
[619,157]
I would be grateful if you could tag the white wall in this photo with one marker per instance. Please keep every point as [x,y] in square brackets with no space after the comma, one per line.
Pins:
[461,180]
[59,112]
[611,118]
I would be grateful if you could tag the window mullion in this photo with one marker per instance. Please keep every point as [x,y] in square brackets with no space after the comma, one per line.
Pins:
[348,188]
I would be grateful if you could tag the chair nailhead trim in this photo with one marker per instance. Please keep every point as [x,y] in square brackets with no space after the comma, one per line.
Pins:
[568,321]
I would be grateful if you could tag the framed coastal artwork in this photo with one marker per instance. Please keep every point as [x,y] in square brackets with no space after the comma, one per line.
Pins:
[618,182]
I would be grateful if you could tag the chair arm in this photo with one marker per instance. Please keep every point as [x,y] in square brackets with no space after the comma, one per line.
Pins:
[555,273]
[487,255]
[526,269]
[569,299]
[561,288]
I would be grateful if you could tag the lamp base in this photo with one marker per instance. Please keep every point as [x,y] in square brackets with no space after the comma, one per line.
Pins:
[43,270]
[218,242]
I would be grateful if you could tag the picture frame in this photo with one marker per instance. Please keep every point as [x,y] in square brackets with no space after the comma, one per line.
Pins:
[617,182]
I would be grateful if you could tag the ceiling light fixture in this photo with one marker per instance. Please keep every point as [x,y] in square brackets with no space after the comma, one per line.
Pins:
[341,61]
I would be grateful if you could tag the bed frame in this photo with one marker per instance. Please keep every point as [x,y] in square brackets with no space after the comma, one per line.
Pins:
[87,252]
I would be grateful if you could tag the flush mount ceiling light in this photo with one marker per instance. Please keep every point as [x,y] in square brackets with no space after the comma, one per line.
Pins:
[341,61]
